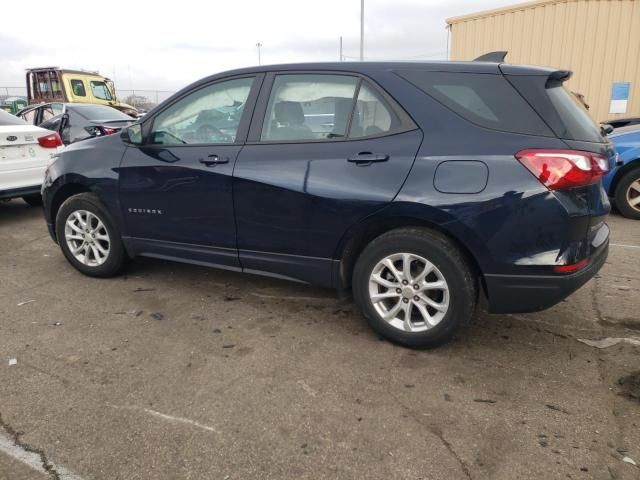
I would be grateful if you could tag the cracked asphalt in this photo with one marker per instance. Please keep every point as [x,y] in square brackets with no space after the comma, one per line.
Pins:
[182,372]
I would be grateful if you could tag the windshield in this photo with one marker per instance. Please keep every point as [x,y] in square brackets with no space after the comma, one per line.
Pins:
[576,121]
[8,119]
[100,90]
[100,112]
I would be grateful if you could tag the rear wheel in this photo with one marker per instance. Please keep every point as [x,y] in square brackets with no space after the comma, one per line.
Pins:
[88,237]
[414,287]
[628,194]
[35,200]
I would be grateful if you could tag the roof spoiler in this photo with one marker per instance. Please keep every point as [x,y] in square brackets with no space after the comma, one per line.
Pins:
[493,57]
[558,78]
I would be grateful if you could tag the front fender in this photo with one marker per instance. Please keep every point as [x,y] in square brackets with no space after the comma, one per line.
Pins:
[91,166]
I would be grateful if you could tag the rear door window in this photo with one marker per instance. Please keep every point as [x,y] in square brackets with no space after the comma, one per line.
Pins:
[486,100]
[30,116]
[305,107]
[372,115]
[46,113]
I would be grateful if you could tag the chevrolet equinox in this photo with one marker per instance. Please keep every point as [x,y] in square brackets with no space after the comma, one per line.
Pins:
[420,187]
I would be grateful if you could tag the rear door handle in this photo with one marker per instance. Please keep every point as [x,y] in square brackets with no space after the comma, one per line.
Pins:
[368,157]
[214,160]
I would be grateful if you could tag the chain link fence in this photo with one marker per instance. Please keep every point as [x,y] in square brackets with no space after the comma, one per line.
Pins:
[7,92]
[143,99]
[139,98]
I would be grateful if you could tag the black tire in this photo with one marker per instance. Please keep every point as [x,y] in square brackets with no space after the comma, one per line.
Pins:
[621,194]
[452,265]
[116,257]
[34,200]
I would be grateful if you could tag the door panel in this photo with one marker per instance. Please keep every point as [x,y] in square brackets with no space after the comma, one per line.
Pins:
[167,194]
[176,191]
[300,199]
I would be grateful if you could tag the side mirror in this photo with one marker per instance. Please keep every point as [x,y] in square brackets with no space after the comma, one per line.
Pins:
[606,128]
[132,134]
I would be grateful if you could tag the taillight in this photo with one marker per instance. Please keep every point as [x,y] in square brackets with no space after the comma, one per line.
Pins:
[109,130]
[558,169]
[52,140]
[571,268]
[100,131]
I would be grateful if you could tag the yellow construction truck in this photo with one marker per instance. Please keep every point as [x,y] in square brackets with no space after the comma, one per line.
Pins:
[54,84]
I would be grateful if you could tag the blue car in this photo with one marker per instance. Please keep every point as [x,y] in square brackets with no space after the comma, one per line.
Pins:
[418,187]
[623,182]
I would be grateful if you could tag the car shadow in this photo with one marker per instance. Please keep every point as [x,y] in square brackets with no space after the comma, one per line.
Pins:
[17,210]
[151,268]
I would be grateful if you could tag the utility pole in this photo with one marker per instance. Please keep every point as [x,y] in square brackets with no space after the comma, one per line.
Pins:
[341,57]
[258,45]
[361,30]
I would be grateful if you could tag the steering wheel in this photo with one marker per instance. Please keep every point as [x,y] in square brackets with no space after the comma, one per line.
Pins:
[207,132]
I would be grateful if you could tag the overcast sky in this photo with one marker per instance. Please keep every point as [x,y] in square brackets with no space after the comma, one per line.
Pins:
[166,45]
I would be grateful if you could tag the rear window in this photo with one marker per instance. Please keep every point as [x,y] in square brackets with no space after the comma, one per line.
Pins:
[7,119]
[577,123]
[100,112]
[484,99]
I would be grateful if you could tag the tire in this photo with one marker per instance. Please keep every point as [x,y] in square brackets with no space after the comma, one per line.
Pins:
[454,286]
[628,189]
[34,200]
[91,259]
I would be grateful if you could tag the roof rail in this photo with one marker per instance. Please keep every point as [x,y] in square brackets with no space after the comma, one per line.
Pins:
[493,57]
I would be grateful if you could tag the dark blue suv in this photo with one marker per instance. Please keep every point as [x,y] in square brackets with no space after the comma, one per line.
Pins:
[419,186]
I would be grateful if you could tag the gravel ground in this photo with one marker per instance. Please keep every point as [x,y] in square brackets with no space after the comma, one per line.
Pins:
[181,372]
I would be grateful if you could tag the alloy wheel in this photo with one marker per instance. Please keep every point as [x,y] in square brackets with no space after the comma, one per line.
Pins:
[409,292]
[87,238]
[633,195]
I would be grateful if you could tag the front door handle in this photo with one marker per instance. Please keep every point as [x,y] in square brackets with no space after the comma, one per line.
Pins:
[368,157]
[214,160]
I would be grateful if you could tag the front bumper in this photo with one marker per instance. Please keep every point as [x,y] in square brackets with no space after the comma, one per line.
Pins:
[532,293]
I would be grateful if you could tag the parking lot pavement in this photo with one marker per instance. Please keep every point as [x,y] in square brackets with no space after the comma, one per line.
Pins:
[181,372]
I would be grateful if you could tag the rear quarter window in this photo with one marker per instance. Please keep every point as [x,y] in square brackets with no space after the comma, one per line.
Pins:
[576,122]
[486,100]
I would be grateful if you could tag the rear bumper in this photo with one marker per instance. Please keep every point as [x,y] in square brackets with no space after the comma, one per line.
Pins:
[532,293]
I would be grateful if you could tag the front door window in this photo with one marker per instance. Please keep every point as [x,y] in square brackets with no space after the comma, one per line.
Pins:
[210,115]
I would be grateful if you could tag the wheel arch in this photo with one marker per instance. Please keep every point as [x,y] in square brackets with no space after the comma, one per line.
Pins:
[64,192]
[355,241]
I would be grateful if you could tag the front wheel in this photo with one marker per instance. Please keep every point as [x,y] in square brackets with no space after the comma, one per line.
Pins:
[414,287]
[88,237]
[628,194]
